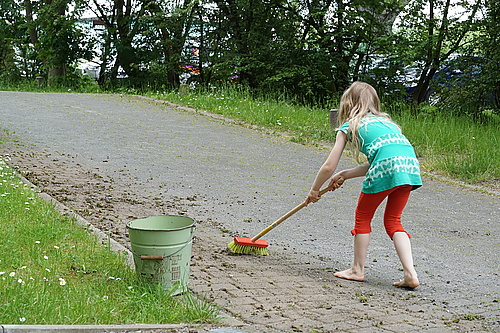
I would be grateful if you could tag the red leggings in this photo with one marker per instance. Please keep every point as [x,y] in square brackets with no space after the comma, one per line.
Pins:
[368,203]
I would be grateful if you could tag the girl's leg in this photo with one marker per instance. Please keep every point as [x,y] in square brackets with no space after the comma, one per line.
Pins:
[367,205]
[403,248]
[357,271]
[396,202]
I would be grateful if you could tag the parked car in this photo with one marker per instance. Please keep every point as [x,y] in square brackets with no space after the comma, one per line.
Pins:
[468,76]
[458,75]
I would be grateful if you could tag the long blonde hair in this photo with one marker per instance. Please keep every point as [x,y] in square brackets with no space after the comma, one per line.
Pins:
[356,102]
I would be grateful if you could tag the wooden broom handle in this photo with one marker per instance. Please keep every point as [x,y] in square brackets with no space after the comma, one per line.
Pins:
[340,181]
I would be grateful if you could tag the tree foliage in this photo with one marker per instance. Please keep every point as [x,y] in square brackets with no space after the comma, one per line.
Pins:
[310,49]
[435,33]
[10,36]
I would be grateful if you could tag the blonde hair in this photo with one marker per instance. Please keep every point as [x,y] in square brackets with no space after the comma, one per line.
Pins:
[356,102]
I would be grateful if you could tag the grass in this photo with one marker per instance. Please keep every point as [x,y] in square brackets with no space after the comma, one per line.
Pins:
[453,146]
[73,83]
[460,149]
[52,271]
[305,124]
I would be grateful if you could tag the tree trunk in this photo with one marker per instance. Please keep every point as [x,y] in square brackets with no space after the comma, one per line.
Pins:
[29,18]
[57,69]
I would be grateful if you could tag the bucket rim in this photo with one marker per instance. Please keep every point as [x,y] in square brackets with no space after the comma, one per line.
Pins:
[172,229]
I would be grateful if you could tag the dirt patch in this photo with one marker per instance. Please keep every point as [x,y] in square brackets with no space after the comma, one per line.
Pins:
[492,186]
[97,198]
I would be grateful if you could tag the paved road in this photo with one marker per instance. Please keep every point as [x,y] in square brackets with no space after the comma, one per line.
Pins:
[244,179]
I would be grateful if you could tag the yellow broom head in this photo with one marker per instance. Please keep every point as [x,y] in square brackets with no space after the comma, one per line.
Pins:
[243,245]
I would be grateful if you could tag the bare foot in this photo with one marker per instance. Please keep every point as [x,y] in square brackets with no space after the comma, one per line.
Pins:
[350,274]
[407,283]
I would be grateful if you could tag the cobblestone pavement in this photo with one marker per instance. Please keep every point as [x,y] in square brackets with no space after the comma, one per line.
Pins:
[115,158]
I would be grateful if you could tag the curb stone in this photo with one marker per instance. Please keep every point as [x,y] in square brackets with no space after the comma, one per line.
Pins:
[112,329]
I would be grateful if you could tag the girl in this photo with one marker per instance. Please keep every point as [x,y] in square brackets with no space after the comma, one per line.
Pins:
[392,171]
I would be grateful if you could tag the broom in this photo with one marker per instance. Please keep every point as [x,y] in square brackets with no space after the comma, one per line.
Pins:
[256,246]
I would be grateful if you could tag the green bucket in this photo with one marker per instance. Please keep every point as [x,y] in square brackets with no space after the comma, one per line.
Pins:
[162,250]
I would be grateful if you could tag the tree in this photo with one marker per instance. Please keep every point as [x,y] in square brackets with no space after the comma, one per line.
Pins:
[173,26]
[491,50]
[45,36]
[121,19]
[349,32]
[59,43]
[436,34]
[469,83]
[307,47]
[11,34]
[246,29]
[142,35]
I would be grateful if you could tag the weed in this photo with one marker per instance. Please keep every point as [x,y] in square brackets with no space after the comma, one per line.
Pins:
[362,298]
[472,316]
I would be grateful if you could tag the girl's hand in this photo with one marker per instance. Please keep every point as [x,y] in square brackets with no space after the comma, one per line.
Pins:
[313,196]
[334,180]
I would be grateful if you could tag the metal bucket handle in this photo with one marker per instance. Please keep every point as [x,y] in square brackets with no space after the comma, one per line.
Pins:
[144,257]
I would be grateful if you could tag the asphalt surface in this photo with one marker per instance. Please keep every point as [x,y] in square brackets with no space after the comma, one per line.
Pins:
[243,179]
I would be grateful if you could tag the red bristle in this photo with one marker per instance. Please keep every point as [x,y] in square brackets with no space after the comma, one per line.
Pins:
[248,242]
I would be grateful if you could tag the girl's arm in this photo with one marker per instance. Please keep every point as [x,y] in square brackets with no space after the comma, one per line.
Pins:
[358,171]
[328,168]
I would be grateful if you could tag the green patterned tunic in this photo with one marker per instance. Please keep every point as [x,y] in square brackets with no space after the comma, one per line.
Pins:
[390,155]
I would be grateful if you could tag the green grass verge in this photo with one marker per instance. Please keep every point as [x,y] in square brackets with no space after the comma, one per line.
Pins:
[456,147]
[304,124]
[53,271]
[453,146]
